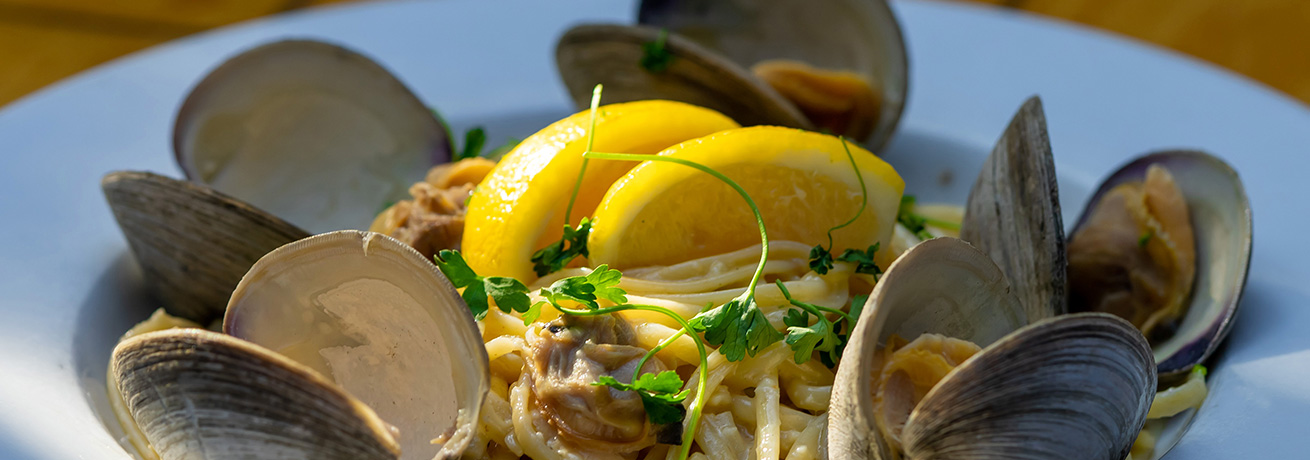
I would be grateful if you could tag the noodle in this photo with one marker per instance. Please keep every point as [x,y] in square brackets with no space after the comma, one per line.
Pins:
[764,407]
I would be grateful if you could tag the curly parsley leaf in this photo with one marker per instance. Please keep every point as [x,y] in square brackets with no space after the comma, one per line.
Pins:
[738,328]
[508,293]
[804,338]
[601,283]
[831,358]
[557,255]
[655,57]
[863,260]
[661,395]
[820,259]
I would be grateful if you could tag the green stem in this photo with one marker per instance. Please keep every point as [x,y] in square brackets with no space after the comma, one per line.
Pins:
[591,139]
[864,193]
[698,404]
[816,310]
[650,354]
[941,223]
[759,219]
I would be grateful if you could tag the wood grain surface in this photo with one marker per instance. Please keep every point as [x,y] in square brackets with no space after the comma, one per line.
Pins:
[43,41]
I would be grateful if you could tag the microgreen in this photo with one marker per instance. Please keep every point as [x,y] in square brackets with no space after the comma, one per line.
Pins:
[508,293]
[831,358]
[655,57]
[1145,238]
[555,256]
[474,139]
[863,260]
[661,395]
[804,338]
[913,222]
[573,242]
[820,256]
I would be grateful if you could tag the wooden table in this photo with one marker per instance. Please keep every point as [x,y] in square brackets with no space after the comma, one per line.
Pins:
[43,41]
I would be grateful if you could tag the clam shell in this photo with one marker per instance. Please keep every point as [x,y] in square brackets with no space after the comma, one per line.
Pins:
[611,54]
[862,36]
[315,133]
[381,321]
[1075,386]
[942,286]
[1013,214]
[1221,221]
[200,394]
[193,243]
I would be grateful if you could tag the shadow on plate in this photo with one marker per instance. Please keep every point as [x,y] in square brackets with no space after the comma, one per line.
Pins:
[117,301]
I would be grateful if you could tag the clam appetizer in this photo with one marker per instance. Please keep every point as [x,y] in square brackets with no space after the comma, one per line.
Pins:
[704,263]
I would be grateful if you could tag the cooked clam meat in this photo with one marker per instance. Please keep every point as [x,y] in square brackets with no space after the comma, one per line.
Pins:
[434,218]
[565,358]
[1136,255]
[908,372]
[840,102]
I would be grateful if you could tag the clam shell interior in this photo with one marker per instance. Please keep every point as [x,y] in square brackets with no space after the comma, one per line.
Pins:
[315,133]
[375,317]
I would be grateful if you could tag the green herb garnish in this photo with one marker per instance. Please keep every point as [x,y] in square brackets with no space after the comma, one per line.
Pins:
[913,222]
[655,57]
[822,336]
[1145,238]
[509,293]
[821,257]
[474,139]
[863,260]
[661,395]
[557,255]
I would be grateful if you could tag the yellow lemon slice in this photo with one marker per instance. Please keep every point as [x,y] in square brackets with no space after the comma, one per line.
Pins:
[519,208]
[663,213]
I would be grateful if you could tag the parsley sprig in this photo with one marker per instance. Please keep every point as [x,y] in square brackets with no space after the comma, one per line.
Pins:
[655,57]
[822,336]
[508,293]
[573,242]
[820,257]
[661,395]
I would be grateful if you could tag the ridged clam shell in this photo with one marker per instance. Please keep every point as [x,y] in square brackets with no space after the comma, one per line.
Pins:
[193,243]
[1072,387]
[1013,214]
[611,54]
[862,36]
[200,394]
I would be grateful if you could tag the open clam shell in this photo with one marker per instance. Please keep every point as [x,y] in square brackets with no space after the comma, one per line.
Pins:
[1013,214]
[200,394]
[1075,386]
[193,243]
[861,36]
[312,132]
[593,54]
[1221,222]
[382,322]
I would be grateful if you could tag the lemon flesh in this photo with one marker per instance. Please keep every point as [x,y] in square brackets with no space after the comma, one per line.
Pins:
[519,208]
[662,213]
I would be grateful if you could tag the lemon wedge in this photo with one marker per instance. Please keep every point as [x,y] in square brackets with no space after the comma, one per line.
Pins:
[519,208]
[662,213]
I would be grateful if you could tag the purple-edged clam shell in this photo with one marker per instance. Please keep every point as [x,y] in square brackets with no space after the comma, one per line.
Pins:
[821,34]
[1221,221]
[312,132]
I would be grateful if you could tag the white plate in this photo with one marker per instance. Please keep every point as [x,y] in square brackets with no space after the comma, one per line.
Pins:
[69,287]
